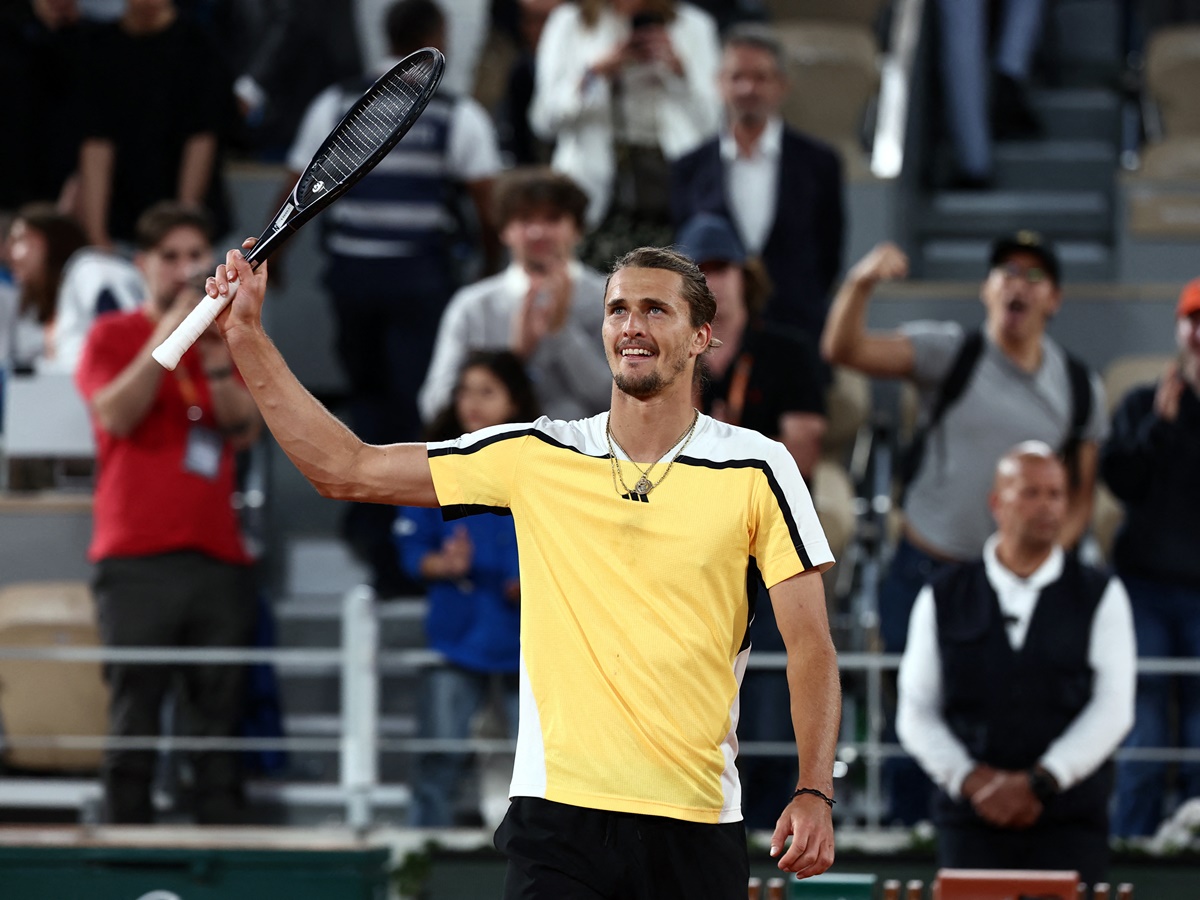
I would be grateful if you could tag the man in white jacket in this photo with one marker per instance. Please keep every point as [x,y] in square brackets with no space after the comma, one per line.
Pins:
[594,67]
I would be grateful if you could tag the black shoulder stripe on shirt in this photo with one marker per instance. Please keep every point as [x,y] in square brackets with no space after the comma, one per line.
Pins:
[506,436]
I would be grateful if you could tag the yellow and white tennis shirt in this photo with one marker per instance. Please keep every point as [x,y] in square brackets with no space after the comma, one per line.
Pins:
[634,611]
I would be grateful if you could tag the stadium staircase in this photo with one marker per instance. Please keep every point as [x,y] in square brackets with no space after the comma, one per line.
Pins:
[1061,183]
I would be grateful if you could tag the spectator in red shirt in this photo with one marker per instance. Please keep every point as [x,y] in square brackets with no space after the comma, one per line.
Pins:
[171,565]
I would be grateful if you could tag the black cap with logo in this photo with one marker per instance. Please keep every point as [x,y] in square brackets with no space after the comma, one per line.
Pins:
[1030,242]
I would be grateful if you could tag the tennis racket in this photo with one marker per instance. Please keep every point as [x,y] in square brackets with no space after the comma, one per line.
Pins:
[364,136]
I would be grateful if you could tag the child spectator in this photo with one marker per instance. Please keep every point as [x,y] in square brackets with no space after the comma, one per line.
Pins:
[474,592]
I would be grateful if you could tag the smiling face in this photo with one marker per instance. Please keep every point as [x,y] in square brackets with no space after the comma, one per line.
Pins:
[1020,298]
[649,337]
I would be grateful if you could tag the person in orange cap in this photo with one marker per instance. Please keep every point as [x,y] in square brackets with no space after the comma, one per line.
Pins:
[1149,462]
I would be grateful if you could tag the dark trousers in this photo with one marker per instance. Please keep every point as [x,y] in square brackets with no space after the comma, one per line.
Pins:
[387,314]
[560,852]
[174,600]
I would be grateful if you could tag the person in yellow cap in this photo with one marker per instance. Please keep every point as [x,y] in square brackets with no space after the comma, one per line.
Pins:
[1149,462]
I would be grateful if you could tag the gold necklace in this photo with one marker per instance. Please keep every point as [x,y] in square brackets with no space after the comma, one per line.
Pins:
[644,484]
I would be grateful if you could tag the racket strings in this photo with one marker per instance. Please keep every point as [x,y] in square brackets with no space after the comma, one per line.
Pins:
[370,127]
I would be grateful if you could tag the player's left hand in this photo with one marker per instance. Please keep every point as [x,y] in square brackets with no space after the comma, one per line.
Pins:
[808,820]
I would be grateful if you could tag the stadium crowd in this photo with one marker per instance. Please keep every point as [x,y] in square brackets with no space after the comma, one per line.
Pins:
[467,276]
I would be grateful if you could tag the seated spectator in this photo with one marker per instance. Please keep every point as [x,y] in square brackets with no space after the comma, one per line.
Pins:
[1017,686]
[94,282]
[623,87]
[766,379]
[395,255]
[40,241]
[981,392]
[546,307]
[780,188]
[470,567]
[1150,463]
[769,380]
[172,566]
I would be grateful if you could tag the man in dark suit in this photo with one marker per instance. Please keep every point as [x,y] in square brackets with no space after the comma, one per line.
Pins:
[781,189]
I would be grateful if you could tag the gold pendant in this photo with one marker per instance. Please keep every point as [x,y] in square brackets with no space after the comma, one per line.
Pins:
[643,486]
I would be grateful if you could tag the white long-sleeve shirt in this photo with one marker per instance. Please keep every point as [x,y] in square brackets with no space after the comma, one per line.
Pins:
[1088,741]
[575,112]
[569,370]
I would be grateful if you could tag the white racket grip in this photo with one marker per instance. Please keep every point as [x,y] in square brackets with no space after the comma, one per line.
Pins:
[169,352]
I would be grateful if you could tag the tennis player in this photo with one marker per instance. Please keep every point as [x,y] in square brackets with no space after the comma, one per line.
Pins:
[642,533]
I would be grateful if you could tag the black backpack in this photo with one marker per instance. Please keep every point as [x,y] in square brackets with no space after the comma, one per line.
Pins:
[955,383]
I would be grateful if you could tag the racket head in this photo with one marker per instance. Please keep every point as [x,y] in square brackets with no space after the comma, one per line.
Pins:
[370,128]
[368,131]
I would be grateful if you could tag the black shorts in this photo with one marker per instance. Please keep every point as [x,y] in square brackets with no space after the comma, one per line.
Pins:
[560,852]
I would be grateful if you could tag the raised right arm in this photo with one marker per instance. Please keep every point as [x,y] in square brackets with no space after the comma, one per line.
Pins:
[326,452]
[846,341]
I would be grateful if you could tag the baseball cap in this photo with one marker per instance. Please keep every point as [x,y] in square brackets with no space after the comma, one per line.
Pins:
[1189,299]
[708,237]
[1026,241]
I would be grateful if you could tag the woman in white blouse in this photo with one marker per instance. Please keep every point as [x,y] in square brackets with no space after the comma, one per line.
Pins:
[625,85]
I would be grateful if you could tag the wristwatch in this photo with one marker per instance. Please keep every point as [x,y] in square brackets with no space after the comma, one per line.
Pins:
[1042,783]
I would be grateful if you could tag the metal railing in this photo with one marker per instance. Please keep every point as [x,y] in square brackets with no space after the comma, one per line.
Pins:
[895,89]
[361,663]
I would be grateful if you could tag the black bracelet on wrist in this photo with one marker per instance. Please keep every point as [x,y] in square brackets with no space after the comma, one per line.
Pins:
[217,374]
[802,791]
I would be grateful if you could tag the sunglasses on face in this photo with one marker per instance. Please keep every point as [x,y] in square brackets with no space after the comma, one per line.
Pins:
[1031,275]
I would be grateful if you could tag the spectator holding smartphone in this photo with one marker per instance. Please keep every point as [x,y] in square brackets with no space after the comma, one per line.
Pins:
[624,87]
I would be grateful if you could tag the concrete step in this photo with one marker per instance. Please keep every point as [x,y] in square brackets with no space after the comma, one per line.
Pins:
[1056,164]
[1062,213]
[321,565]
[1078,113]
[948,258]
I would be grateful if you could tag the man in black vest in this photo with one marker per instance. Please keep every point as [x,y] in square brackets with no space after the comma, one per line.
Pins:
[1017,685]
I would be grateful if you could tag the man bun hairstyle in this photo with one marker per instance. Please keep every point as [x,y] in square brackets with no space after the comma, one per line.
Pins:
[695,290]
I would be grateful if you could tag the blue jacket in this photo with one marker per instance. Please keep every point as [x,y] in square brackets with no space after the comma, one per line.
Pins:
[470,621]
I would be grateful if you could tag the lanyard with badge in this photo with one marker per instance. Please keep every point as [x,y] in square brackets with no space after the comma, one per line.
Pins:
[202,455]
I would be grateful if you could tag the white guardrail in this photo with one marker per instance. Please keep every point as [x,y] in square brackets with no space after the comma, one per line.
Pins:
[360,661]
